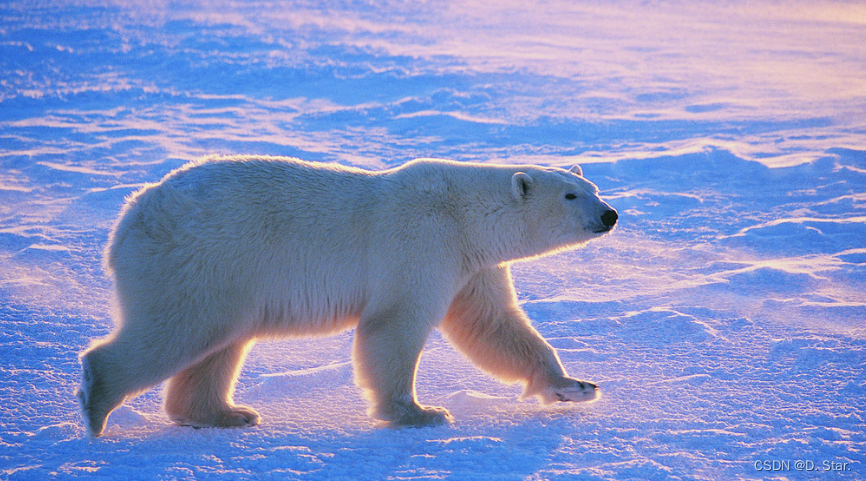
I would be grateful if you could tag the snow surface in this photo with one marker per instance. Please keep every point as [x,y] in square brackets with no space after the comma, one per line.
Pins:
[723,319]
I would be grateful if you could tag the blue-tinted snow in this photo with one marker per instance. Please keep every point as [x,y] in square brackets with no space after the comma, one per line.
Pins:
[724,319]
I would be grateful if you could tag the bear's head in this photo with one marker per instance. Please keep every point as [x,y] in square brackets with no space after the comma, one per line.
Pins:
[561,209]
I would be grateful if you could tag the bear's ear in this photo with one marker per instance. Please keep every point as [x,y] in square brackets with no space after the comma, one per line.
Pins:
[576,170]
[520,184]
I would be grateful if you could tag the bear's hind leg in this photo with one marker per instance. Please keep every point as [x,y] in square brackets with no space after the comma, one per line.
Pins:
[386,351]
[201,395]
[97,395]
[116,369]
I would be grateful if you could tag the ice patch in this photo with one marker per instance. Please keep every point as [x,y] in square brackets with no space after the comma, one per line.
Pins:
[693,380]
[79,169]
[468,442]
[125,419]
[785,226]
[659,325]
[468,402]
[58,432]
[304,380]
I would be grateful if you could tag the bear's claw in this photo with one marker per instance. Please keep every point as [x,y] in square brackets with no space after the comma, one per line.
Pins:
[571,390]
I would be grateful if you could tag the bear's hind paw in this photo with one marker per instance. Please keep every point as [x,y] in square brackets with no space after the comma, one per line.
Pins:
[234,417]
[240,416]
[426,417]
[95,399]
[413,415]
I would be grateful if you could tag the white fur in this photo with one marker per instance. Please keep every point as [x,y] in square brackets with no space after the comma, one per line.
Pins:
[227,250]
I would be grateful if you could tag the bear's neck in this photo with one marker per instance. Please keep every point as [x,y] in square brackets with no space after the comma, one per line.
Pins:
[492,235]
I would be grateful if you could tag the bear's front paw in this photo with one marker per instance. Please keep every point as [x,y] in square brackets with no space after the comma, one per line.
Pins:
[412,415]
[570,390]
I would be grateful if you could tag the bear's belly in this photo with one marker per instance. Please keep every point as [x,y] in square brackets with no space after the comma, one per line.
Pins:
[305,313]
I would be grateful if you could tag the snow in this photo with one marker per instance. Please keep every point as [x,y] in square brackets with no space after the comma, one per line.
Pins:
[723,319]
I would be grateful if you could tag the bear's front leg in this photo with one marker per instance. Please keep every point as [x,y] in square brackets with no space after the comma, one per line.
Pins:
[386,352]
[485,323]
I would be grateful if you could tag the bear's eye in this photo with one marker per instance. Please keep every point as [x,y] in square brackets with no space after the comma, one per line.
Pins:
[570,196]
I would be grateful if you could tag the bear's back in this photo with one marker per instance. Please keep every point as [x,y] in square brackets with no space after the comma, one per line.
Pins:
[240,207]
[275,182]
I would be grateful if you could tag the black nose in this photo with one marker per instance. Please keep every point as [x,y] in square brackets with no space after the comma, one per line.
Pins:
[609,218]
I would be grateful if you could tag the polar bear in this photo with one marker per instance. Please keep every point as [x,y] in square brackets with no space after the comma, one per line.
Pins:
[229,249]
